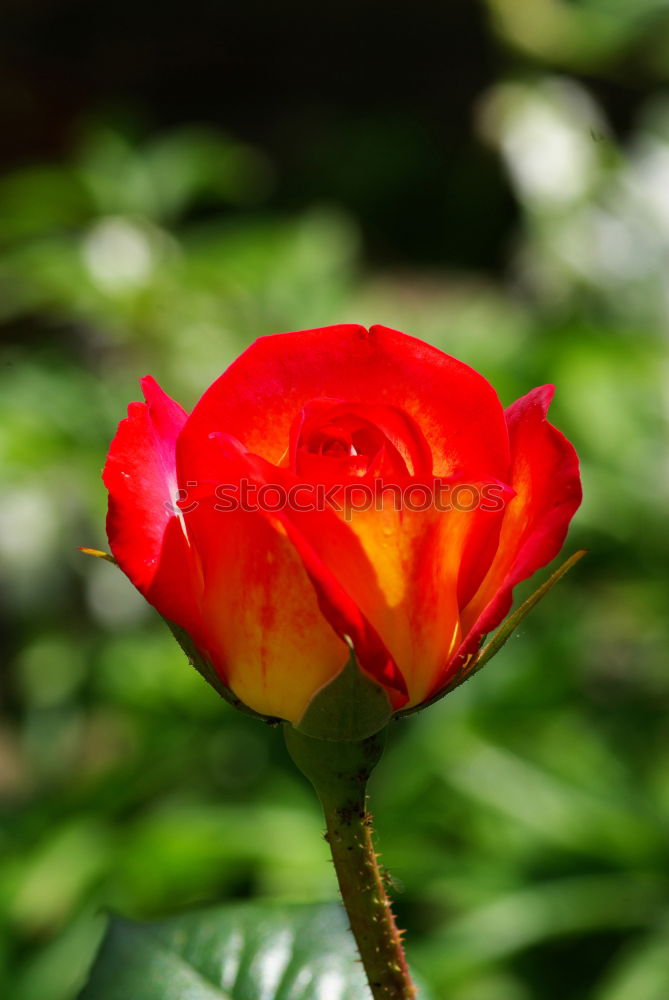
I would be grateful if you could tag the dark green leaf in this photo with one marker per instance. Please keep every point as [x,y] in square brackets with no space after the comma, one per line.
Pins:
[239,952]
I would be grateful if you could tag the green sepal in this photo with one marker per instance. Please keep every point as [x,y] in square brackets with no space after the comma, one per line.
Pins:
[501,636]
[513,621]
[99,554]
[206,670]
[351,707]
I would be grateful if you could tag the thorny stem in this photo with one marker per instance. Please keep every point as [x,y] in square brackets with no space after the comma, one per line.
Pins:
[339,773]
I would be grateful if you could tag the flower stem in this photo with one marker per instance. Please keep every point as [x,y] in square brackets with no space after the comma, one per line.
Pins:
[339,773]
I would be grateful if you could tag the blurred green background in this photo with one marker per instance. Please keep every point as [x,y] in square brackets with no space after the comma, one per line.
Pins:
[493,178]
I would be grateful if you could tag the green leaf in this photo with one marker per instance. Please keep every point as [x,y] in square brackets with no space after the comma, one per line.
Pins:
[238,952]
[640,970]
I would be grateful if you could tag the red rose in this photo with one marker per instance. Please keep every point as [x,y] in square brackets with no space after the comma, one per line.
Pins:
[335,490]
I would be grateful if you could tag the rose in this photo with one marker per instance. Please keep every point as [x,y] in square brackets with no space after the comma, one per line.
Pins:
[326,576]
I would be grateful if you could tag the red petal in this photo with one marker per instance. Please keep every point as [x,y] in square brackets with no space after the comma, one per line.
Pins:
[146,537]
[404,439]
[401,569]
[545,476]
[257,399]
[265,633]
[325,544]
[388,579]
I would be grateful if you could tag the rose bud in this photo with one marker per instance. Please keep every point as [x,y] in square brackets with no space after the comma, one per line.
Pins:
[339,523]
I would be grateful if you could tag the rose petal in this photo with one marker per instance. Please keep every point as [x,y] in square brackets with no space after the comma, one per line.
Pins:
[545,476]
[403,437]
[388,579]
[265,632]
[402,568]
[145,532]
[257,399]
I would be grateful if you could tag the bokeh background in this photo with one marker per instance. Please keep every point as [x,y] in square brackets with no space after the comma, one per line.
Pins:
[179,179]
